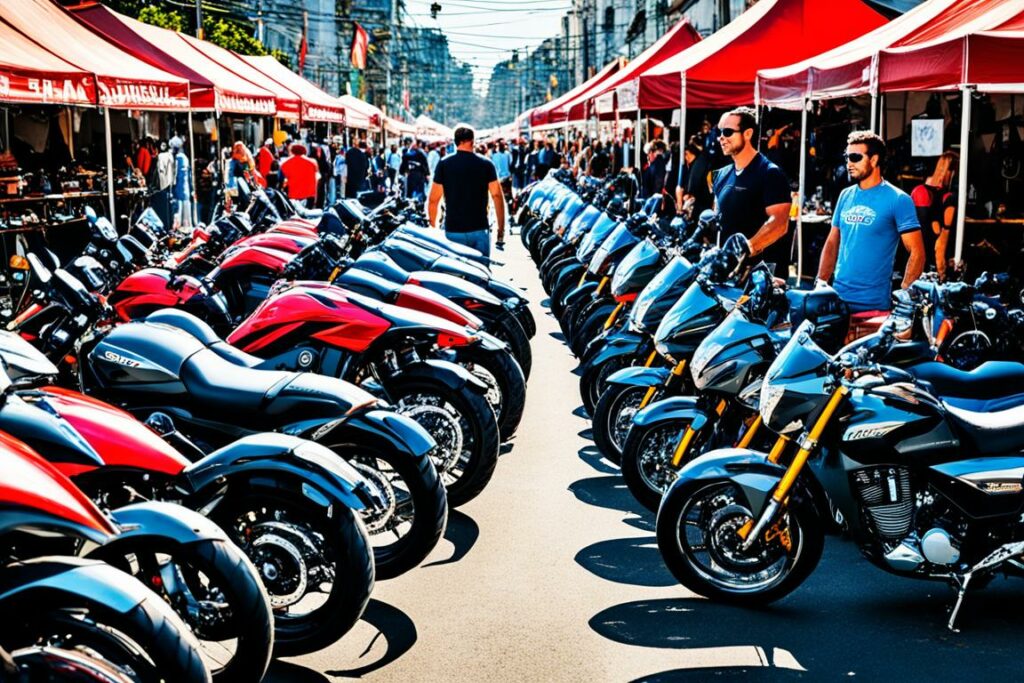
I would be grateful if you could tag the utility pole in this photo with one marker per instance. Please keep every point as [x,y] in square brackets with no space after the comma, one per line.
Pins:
[199,19]
[259,21]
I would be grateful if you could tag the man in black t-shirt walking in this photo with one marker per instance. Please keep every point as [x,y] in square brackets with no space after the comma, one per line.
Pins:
[464,180]
[752,194]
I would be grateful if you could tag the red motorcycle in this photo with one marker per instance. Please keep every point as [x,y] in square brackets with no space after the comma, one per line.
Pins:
[79,605]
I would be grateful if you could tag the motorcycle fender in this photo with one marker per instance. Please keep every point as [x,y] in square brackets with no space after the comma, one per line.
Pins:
[382,429]
[503,290]
[282,461]
[580,293]
[452,375]
[639,376]
[488,342]
[156,523]
[615,344]
[672,409]
[26,584]
[754,475]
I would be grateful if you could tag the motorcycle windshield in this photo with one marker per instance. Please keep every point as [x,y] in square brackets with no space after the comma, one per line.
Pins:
[724,357]
[794,386]
[613,245]
[654,299]
[593,239]
[583,221]
[569,212]
[696,312]
[643,254]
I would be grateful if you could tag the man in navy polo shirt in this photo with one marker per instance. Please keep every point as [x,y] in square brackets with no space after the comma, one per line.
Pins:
[871,218]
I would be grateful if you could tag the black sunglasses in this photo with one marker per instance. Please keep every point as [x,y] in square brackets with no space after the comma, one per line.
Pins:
[729,132]
[854,157]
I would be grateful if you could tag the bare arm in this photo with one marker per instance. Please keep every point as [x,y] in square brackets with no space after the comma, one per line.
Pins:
[914,243]
[829,255]
[436,193]
[498,197]
[773,230]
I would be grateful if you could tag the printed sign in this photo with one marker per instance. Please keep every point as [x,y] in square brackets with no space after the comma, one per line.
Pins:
[926,137]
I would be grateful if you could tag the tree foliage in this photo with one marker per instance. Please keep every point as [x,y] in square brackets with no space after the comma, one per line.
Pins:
[232,35]
[282,56]
[158,16]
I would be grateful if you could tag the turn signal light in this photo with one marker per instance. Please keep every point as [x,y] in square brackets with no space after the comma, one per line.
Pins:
[19,262]
[447,341]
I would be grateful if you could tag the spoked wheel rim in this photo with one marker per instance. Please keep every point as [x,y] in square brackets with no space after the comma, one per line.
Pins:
[708,540]
[655,461]
[201,604]
[620,417]
[390,522]
[493,394]
[449,428]
[81,634]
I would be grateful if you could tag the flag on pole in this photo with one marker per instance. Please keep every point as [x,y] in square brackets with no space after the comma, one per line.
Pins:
[360,44]
[303,44]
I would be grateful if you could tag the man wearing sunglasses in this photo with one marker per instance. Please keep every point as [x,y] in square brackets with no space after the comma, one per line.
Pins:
[870,219]
[752,195]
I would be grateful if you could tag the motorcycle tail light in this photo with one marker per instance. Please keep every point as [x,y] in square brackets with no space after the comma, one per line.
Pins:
[473,305]
[445,340]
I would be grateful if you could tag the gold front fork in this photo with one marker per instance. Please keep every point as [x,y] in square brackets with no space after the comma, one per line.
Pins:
[600,286]
[748,435]
[807,445]
[611,319]
[684,442]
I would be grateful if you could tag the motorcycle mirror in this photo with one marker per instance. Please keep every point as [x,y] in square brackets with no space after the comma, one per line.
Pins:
[41,272]
[90,215]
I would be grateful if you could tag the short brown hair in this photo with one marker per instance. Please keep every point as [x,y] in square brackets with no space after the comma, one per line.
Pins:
[873,141]
[463,133]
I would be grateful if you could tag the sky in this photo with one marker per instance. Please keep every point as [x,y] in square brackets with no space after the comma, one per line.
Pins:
[485,32]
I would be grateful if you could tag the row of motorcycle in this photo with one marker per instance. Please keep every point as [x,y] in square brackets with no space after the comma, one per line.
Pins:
[754,418]
[212,445]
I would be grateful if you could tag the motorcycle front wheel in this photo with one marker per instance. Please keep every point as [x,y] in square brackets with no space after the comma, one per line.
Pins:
[506,384]
[613,418]
[698,537]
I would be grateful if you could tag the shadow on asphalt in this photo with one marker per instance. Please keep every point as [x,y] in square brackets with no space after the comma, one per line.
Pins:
[395,627]
[593,457]
[286,672]
[557,336]
[587,434]
[462,532]
[630,561]
[848,619]
[580,411]
[610,492]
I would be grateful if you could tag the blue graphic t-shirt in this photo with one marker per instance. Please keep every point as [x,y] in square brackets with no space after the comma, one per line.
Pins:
[870,223]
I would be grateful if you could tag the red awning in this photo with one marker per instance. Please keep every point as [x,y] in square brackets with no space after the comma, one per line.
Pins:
[849,69]
[122,81]
[213,86]
[625,83]
[987,52]
[720,70]
[317,105]
[361,114]
[28,73]
[288,104]
[558,110]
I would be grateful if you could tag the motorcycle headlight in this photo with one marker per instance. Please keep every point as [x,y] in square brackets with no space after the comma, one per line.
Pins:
[662,350]
[640,310]
[770,397]
[702,356]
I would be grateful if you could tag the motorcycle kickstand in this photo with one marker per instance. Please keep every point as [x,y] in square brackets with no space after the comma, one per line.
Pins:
[961,582]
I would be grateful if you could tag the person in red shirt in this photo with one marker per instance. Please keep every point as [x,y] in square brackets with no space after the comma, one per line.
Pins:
[300,176]
[265,156]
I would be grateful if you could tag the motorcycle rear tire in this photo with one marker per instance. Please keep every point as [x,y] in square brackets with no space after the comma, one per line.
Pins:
[430,510]
[352,564]
[510,331]
[511,385]
[159,650]
[482,427]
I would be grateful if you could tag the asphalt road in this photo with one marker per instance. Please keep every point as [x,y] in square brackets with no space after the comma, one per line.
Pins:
[553,574]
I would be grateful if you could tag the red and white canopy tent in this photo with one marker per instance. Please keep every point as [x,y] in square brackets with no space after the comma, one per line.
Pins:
[924,49]
[560,109]
[213,87]
[360,114]
[120,80]
[399,129]
[432,131]
[317,105]
[31,74]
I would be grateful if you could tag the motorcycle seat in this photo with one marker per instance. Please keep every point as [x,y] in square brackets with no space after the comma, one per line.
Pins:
[202,331]
[991,432]
[991,380]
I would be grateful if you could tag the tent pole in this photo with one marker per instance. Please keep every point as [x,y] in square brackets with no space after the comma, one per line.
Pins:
[192,156]
[800,193]
[965,142]
[636,137]
[682,130]
[874,112]
[110,165]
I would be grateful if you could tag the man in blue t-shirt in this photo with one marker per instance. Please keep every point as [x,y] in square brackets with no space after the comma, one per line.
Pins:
[870,219]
